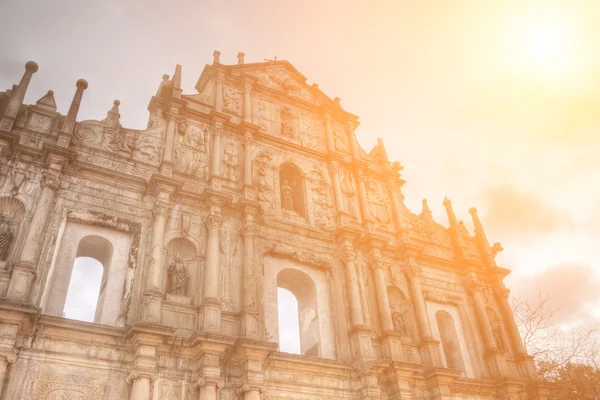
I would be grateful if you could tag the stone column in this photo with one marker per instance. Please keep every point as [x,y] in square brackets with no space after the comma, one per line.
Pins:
[248,102]
[502,297]
[396,208]
[329,133]
[24,270]
[140,386]
[154,278]
[337,188]
[170,138]
[248,159]
[4,362]
[385,313]
[353,142]
[209,388]
[484,322]
[354,290]
[213,250]
[250,314]
[419,301]
[362,195]
[211,307]
[14,104]
[216,154]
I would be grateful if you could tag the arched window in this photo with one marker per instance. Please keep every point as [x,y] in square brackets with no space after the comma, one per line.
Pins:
[496,324]
[84,289]
[302,287]
[450,343]
[87,283]
[292,190]
[289,325]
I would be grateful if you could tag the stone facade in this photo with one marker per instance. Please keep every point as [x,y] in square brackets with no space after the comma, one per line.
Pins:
[253,183]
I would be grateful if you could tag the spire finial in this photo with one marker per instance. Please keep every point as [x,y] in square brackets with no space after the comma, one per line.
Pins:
[454,229]
[426,211]
[69,122]
[240,57]
[12,109]
[47,101]
[482,241]
[113,116]
[216,57]
[177,82]
[382,152]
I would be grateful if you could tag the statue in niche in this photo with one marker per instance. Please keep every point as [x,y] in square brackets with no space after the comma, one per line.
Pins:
[231,161]
[179,277]
[287,196]
[288,124]
[5,238]
[348,192]
[399,323]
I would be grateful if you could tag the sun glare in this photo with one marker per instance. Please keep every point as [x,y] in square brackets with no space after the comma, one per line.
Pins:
[548,49]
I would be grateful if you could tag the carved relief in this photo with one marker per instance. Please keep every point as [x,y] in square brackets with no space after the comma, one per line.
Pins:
[340,139]
[311,133]
[120,141]
[12,212]
[263,115]
[402,316]
[231,99]
[192,153]
[288,124]
[378,202]
[349,193]
[263,181]
[322,202]
[49,386]
[231,159]
[303,256]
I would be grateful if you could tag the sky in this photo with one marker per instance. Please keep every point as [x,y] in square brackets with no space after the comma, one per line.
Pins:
[493,104]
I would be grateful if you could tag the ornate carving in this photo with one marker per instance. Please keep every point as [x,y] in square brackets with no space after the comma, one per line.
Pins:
[160,209]
[51,180]
[288,124]
[231,161]
[264,187]
[340,140]
[305,257]
[192,153]
[6,237]
[120,141]
[214,221]
[231,99]
[349,193]
[49,386]
[322,204]
[443,298]
[377,200]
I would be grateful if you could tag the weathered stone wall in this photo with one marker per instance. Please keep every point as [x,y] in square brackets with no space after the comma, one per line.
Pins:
[257,181]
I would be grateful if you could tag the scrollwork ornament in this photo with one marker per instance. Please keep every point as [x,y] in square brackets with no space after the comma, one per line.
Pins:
[160,209]
[11,358]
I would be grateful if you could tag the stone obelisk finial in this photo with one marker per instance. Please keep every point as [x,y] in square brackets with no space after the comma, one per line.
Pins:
[482,242]
[240,58]
[113,116]
[216,57]
[12,109]
[66,130]
[177,82]
[426,212]
[454,229]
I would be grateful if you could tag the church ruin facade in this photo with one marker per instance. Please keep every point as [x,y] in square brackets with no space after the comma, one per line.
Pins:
[255,183]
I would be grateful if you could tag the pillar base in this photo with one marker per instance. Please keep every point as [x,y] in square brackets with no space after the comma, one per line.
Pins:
[166,169]
[496,362]
[210,316]
[526,367]
[392,347]
[362,345]
[249,193]
[152,311]
[430,353]
[249,326]
[438,381]
[215,183]
[21,280]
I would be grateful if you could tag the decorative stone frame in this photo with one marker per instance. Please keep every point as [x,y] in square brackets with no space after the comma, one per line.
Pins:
[275,262]
[119,288]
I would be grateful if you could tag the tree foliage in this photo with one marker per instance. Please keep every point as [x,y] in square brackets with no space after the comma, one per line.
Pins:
[567,355]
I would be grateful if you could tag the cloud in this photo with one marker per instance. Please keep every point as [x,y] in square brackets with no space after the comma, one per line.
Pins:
[509,211]
[572,287]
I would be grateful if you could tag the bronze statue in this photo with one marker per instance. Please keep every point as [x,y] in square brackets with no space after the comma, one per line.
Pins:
[179,277]
[5,238]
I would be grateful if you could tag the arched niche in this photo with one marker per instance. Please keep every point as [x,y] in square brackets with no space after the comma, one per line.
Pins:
[292,190]
[450,342]
[12,214]
[110,248]
[402,315]
[181,268]
[497,330]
